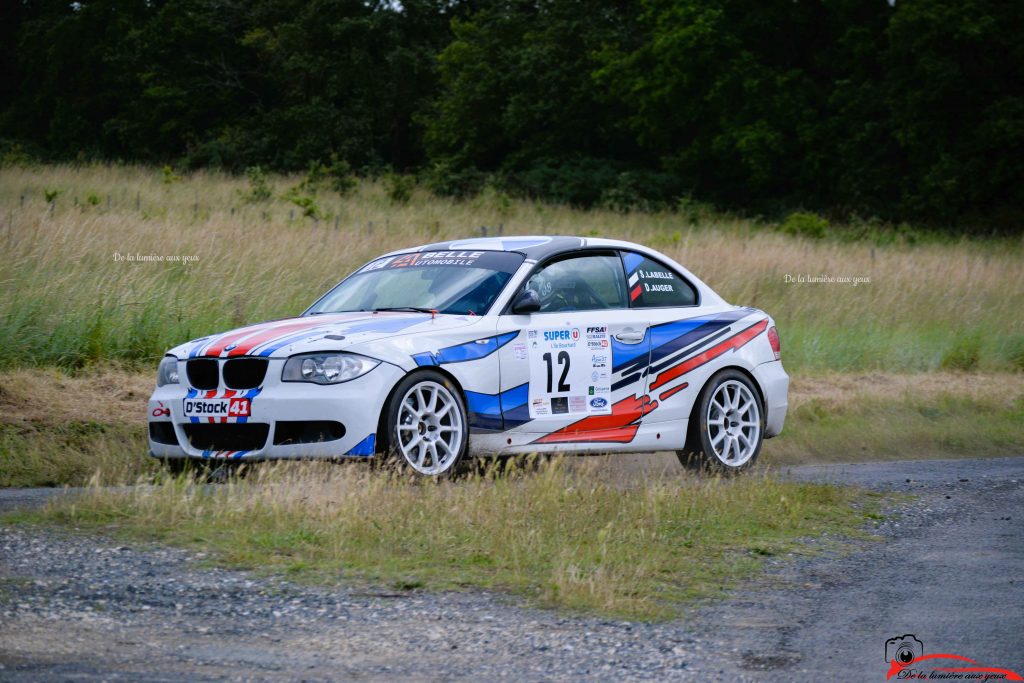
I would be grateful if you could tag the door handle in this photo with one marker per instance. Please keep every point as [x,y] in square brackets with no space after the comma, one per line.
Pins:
[629,336]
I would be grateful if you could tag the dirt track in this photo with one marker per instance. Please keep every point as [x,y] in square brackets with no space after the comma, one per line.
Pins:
[950,571]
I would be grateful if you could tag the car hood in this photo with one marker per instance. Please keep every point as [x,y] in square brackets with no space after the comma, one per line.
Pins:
[282,338]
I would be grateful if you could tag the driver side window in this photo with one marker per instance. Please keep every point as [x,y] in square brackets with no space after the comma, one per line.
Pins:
[580,283]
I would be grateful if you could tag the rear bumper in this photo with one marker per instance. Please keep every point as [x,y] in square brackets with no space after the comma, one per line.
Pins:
[356,405]
[774,382]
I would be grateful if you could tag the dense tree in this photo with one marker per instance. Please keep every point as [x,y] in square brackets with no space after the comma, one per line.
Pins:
[905,110]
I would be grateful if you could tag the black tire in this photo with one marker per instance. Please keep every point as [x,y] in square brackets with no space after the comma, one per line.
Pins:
[700,452]
[395,451]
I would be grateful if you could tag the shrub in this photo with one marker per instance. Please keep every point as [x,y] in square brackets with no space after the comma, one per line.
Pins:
[304,201]
[169,176]
[340,176]
[400,187]
[693,210]
[445,180]
[963,355]
[639,190]
[577,182]
[259,189]
[805,225]
[14,154]
[1015,352]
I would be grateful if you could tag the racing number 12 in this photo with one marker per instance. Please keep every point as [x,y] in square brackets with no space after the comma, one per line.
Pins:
[563,360]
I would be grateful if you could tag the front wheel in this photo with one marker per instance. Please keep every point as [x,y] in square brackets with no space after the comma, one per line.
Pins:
[727,426]
[427,428]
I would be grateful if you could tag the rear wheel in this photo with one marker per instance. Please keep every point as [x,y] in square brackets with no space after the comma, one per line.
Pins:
[427,427]
[727,428]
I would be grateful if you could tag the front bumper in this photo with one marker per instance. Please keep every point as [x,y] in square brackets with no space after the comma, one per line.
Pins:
[356,405]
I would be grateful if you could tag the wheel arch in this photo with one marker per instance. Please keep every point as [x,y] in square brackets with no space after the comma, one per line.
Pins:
[382,428]
[743,371]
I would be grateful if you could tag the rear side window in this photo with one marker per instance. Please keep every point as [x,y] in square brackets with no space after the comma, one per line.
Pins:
[653,285]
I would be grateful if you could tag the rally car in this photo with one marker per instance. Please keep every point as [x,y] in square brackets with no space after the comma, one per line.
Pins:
[485,346]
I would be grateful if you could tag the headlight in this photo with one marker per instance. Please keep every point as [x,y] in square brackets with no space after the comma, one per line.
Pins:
[167,373]
[326,368]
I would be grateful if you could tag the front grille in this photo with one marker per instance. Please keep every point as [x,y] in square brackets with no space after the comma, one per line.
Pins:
[244,373]
[307,431]
[246,436]
[202,373]
[163,432]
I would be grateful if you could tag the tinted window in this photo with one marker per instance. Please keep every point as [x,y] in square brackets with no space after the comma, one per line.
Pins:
[652,284]
[581,283]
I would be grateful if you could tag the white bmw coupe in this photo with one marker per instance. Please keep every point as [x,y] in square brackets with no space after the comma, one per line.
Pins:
[485,346]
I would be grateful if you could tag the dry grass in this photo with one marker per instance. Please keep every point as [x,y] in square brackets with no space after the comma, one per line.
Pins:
[49,397]
[68,301]
[579,540]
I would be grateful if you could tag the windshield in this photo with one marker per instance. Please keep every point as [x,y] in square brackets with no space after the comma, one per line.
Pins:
[457,282]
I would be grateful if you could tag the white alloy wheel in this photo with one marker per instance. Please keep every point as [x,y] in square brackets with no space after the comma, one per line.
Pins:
[733,423]
[429,428]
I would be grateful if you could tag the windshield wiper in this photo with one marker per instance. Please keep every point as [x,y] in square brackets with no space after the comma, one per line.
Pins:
[415,309]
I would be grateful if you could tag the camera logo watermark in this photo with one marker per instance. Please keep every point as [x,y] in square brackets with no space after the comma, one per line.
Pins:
[903,649]
[908,662]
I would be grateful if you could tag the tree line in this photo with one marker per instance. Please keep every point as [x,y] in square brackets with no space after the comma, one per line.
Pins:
[912,110]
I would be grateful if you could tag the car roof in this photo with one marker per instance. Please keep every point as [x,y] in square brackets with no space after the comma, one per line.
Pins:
[533,247]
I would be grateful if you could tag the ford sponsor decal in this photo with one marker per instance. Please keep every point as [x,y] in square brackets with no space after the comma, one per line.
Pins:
[598,402]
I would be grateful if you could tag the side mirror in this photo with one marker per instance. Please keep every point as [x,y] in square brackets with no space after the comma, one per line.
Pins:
[526,302]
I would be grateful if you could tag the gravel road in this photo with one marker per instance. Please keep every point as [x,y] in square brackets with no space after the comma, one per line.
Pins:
[950,570]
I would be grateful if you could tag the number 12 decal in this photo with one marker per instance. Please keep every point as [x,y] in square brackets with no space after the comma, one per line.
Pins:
[563,360]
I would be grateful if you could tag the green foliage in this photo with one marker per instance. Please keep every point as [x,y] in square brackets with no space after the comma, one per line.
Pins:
[259,188]
[50,195]
[340,176]
[92,199]
[904,111]
[170,177]
[337,176]
[444,179]
[964,354]
[14,154]
[1015,352]
[305,202]
[400,187]
[694,211]
[801,224]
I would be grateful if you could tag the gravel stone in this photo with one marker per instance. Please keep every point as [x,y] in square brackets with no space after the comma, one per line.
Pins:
[950,568]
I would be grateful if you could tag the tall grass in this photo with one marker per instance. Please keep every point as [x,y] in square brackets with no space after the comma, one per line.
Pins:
[578,539]
[67,301]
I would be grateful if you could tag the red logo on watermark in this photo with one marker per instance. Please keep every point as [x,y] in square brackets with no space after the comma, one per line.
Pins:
[905,653]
